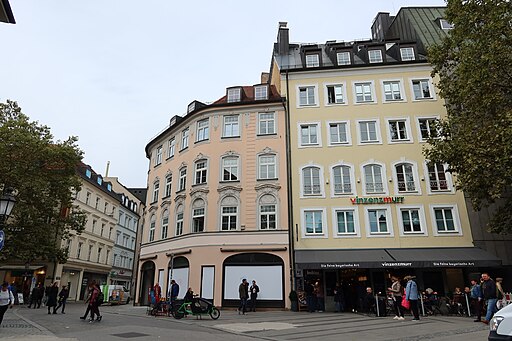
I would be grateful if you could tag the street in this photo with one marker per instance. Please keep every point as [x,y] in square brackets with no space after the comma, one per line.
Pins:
[129,322]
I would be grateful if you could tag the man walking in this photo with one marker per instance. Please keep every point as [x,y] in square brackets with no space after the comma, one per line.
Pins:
[63,296]
[254,289]
[476,299]
[243,291]
[489,293]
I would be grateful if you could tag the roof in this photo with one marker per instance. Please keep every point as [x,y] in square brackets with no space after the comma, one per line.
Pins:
[6,12]
[105,187]
[248,95]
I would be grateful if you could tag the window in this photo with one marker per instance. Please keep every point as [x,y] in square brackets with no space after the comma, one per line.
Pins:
[88,173]
[89,253]
[373,179]
[102,229]
[335,94]
[261,92]
[179,220]
[312,60]
[87,198]
[407,53]
[158,158]
[94,225]
[313,222]
[97,204]
[156,190]
[378,221]
[183,179]
[168,185]
[307,95]
[392,91]
[421,89]
[234,95]
[398,130]
[107,257]
[230,168]
[341,177]
[79,250]
[198,216]
[363,92]
[311,181]
[231,126]
[202,130]
[172,145]
[184,139]
[437,177]
[267,217]
[191,107]
[152,225]
[229,213]
[267,123]
[345,222]
[165,224]
[411,220]
[375,56]
[368,131]
[99,180]
[405,178]
[445,219]
[105,208]
[110,233]
[343,58]
[308,134]
[201,172]
[428,128]
[99,254]
[338,133]
[445,25]
[267,166]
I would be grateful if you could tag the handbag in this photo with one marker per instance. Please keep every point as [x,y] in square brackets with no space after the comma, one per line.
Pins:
[406,303]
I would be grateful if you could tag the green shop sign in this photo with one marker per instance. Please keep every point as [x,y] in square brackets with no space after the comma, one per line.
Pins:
[378,200]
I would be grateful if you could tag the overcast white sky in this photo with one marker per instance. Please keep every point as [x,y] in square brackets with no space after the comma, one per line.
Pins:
[113,72]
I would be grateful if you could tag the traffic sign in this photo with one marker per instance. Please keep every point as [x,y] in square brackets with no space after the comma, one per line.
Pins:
[2,238]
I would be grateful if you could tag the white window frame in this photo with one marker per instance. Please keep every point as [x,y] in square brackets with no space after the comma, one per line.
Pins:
[408,56]
[408,130]
[275,213]
[165,225]
[423,221]
[325,227]
[312,60]
[445,24]
[352,180]
[318,137]
[449,181]
[377,131]
[158,156]
[321,182]
[314,88]
[203,130]
[201,171]
[389,222]
[178,231]
[417,185]
[152,228]
[172,147]
[184,138]
[343,86]
[196,214]
[357,226]
[418,126]
[430,86]
[375,58]
[156,192]
[222,166]
[371,83]
[261,92]
[182,184]
[268,166]
[456,220]
[268,122]
[230,214]
[384,178]
[401,88]
[168,185]
[344,61]
[232,125]
[234,95]
[330,143]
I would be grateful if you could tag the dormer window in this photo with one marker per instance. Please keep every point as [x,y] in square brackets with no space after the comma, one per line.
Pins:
[445,25]
[312,60]
[343,58]
[375,56]
[109,187]
[99,180]
[88,173]
[407,53]
[234,95]
[261,92]
[191,107]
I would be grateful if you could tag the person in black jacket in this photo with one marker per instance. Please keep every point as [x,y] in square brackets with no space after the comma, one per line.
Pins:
[254,290]
[489,293]
[52,293]
[63,296]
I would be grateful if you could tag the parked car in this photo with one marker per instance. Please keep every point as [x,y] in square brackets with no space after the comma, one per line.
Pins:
[501,325]
[116,294]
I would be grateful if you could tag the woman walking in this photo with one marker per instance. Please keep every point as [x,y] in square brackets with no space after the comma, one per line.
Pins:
[6,300]
[51,302]
[411,294]
[396,291]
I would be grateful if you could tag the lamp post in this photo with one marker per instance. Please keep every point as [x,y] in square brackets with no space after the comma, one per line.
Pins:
[7,202]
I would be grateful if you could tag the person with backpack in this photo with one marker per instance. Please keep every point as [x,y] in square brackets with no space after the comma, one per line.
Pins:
[6,300]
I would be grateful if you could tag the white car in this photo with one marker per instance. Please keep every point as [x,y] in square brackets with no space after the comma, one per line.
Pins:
[501,325]
[117,294]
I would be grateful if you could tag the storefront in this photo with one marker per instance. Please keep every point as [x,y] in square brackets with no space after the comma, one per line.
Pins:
[23,277]
[441,269]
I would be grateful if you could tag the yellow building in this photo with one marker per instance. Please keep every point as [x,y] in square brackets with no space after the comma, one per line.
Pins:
[365,202]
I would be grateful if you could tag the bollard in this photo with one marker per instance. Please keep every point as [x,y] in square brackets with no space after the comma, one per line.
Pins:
[467,303]
[422,305]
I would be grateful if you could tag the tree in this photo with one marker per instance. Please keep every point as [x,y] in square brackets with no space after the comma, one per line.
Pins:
[43,175]
[474,65]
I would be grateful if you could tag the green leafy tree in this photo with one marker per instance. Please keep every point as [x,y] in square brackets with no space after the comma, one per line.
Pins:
[474,65]
[43,175]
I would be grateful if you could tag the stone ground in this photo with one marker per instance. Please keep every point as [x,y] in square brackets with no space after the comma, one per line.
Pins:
[129,322]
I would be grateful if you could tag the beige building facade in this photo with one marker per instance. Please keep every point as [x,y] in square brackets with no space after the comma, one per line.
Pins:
[217,208]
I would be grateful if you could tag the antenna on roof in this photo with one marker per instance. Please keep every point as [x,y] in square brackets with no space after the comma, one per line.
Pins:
[106,170]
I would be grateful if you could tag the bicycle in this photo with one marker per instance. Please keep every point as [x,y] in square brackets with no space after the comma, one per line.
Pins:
[198,307]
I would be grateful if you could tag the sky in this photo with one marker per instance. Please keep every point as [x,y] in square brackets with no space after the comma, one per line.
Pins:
[113,72]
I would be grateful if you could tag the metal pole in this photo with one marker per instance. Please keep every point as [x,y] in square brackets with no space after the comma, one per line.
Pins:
[467,303]
[377,304]
[422,305]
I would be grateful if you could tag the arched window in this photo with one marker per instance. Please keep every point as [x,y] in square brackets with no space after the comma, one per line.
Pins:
[152,225]
[405,177]
[373,178]
[165,223]
[267,212]
[229,214]
[179,220]
[183,179]
[341,178]
[311,181]
[198,214]
[156,190]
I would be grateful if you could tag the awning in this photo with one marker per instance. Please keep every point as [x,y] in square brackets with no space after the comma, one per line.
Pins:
[395,258]
[20,267]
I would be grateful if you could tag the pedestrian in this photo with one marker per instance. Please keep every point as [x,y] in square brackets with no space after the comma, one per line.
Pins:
[86,301]
[243,292]
[254,289]
[320,298]
[173,293]
[476,299]
[339,299]
[489,293]
[34,297]
[396,293]
[63,296]
[158,292]
[51,296]
[6,300]
[94,303]
[411,294]
[309,289]
[12,288]
[500,294]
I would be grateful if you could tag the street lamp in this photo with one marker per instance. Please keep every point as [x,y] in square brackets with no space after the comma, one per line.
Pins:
[7,201]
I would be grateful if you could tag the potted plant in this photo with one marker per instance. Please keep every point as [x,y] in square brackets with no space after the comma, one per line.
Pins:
[294,299]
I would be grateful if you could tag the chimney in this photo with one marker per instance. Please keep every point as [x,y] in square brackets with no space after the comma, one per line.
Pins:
[283,39]
[265,77]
